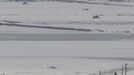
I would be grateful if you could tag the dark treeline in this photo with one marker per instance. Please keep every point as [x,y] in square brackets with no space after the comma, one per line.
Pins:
[64,0]
[22,0]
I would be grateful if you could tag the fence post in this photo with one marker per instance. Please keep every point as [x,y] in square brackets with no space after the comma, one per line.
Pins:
[122,69]
[100,72]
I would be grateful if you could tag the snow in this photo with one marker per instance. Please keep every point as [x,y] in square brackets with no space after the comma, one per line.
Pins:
[69,57]
[66,15]
[54,53]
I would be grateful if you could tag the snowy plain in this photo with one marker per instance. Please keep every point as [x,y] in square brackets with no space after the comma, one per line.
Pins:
[69,57]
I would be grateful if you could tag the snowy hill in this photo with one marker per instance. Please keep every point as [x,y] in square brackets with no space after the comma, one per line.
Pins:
[61,18]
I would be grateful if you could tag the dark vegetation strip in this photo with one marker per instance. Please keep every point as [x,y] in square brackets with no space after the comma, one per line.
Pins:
[112,58]
[47,27]
[88,2]
[74,57]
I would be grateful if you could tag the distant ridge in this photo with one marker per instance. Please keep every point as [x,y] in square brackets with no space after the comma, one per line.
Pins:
[73,57]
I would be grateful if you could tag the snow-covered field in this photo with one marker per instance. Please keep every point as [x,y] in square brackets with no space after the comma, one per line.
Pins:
[68,57]
[114,28]
[62,14]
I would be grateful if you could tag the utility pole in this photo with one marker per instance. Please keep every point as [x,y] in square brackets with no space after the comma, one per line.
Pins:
[126,68]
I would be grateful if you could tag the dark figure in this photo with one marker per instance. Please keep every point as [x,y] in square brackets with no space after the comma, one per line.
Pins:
[85,9]
[25,2]
[115,73]
[96,17]
[52,67]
